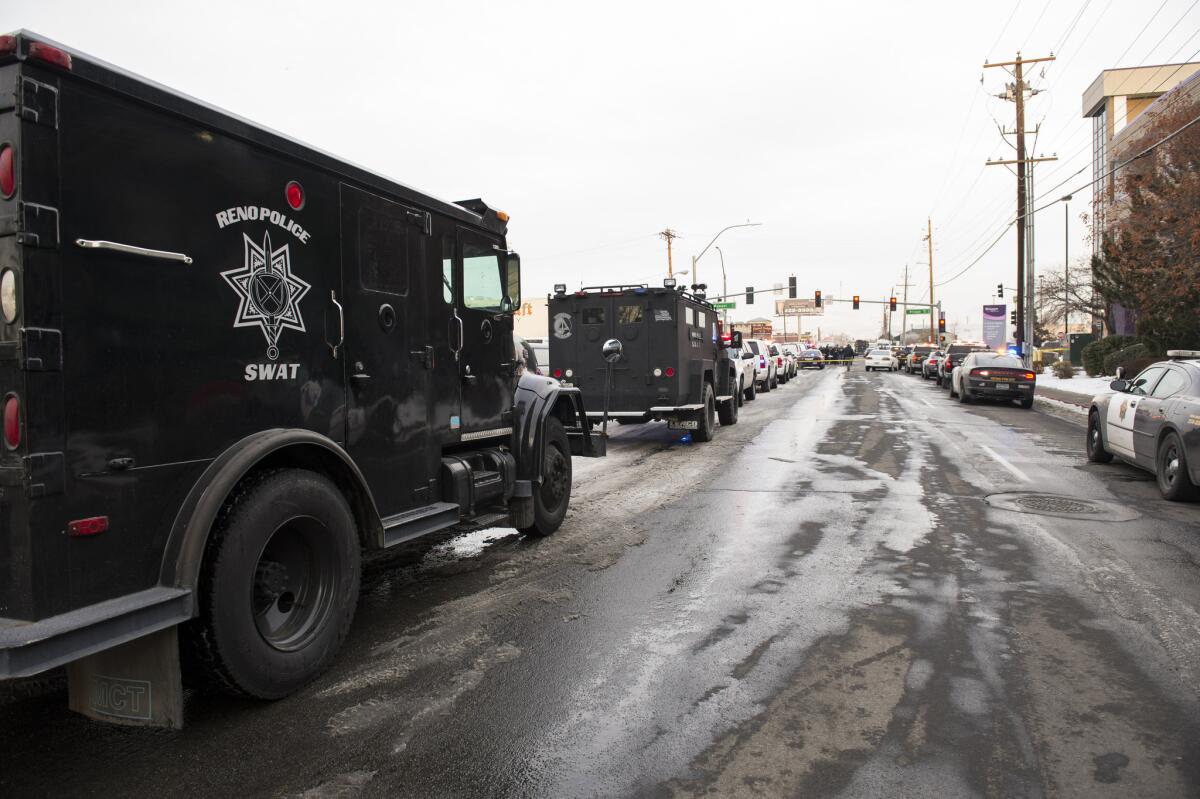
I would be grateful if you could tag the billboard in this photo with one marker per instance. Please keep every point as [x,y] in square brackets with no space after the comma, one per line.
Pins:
[798,308]
[994,335]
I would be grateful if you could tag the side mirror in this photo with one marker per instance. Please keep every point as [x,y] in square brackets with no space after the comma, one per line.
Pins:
[735,339]
[512,280]
[1120,372]
[1119,385]
[611,350]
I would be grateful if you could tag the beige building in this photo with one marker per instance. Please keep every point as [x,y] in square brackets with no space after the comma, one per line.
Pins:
[1115,102]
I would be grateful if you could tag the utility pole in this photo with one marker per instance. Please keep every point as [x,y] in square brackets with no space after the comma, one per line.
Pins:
[1015,92]
[1066,200]
[932,322]
[669,235]
[904,318]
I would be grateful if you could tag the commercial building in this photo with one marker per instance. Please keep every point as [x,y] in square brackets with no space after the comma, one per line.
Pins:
[1116,102]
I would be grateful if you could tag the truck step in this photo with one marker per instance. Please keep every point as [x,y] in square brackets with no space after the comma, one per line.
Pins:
[418,522]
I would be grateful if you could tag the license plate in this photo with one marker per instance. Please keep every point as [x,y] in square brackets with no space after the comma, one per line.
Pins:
[683,425]
[1002,385]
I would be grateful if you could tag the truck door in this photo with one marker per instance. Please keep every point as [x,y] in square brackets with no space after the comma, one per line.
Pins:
[487,359]
[385,246]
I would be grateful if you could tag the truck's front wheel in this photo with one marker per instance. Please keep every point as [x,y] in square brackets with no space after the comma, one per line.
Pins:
[551,498]
[278,587]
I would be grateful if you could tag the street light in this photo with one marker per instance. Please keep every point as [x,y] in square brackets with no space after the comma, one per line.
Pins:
[696,258]
[1066,269]
[724,287]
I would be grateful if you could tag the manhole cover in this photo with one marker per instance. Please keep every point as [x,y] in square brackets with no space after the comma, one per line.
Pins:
[1062,506]
[1049,503]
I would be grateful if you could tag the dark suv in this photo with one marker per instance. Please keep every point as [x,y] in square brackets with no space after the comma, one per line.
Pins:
[953,357]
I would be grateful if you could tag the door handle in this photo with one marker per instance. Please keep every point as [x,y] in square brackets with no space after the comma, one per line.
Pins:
[360,376]
[333,348]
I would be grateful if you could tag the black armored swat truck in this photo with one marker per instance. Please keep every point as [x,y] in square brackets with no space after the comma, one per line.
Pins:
[675,365]
[229,365]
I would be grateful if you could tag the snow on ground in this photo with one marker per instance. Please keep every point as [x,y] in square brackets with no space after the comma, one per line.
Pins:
[1080,384]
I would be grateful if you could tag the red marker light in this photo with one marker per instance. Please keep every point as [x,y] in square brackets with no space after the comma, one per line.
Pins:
[295,195]
[85,527]
[557,373]
[39,51]
[669,371]
[12,422]
[8,172]
[8,45]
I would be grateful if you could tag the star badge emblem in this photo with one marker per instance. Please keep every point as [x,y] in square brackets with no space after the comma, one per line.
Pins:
[269,294]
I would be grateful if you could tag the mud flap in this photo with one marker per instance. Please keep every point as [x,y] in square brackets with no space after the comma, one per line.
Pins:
[137,683]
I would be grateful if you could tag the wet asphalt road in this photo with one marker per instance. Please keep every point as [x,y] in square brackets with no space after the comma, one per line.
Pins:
[821,602]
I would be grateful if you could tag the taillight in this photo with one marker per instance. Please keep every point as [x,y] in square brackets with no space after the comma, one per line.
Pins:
[8,45]
[12,422]
[8,172]
[762,362]
[980,372]
[1030,376]
[40,51]
[669,371]
[779,361]
[93,525]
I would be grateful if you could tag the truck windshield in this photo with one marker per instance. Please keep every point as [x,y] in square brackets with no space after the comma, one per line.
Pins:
[481,277]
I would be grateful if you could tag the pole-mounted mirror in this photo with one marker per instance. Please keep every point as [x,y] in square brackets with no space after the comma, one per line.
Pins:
[612,350]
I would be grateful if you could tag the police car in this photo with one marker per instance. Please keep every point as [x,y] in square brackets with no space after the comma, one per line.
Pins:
[1153,421]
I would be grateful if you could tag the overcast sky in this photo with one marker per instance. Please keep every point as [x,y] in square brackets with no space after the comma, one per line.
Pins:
[838,126]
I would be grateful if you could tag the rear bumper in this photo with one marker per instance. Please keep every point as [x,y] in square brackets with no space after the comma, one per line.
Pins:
[28,648]
[1017,390]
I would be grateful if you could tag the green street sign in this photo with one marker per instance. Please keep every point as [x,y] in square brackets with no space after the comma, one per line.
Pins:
[917,310]
[724,306]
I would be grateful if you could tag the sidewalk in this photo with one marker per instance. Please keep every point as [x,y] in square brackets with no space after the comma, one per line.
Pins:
[1076,392]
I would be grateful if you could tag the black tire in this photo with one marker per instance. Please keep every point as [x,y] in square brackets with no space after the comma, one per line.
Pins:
[1094,446]
[552,497]
[740,394]
[752,391]
[278,586]
[766,386]
[775,381]
[953,393]
[727,412]
[1027,402]
[1171,470]
[965,397]
[708,416]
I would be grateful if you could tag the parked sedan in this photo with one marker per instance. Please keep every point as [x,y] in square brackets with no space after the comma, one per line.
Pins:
[881,359]
[1153,422]
[988,375]
[811,359]
[929,366]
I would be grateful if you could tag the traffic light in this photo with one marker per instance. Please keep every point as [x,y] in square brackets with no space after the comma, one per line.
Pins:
[1012,316]
[941,324]
[749,295]
[1000,290]
[792,287]
[817,298]
[856,302]
[892,303]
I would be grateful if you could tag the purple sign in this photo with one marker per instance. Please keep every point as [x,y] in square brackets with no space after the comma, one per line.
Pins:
[994,335]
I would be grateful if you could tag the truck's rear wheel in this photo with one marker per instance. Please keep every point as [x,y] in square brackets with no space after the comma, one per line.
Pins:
[707,415]
[278,587]
[551,498]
